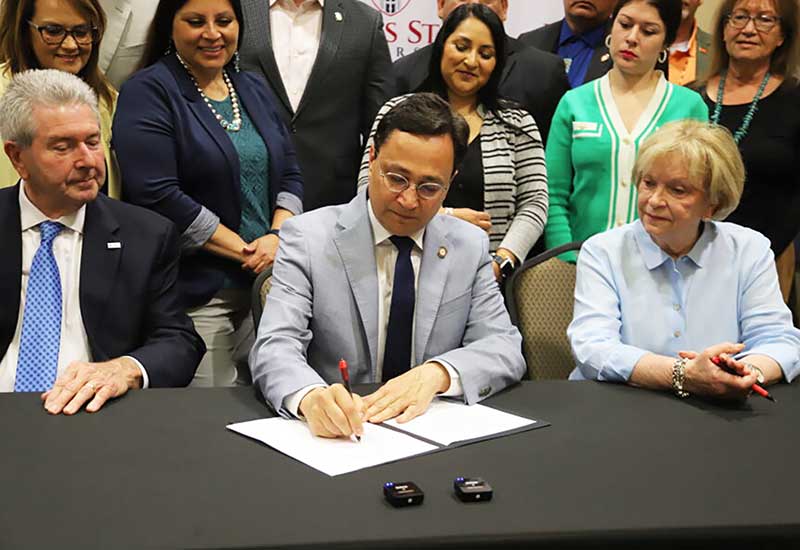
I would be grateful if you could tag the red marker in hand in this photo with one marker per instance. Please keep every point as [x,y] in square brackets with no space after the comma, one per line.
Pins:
[345,374]
[718,361]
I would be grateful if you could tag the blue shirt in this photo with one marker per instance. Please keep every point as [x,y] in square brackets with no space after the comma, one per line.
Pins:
[577,50]
[632,298]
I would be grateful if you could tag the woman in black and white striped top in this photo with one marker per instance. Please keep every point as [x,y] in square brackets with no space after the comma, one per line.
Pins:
[501,185]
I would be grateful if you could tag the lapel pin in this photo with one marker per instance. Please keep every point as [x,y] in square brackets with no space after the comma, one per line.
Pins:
[338,16]
[113,245]
[605,57]
[442,252]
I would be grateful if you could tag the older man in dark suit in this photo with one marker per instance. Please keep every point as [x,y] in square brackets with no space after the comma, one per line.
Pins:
[534,79]
[328,63]
[90,308]
[579,39]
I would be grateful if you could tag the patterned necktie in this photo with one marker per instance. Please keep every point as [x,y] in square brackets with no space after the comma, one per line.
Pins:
[397,355]
[41,322]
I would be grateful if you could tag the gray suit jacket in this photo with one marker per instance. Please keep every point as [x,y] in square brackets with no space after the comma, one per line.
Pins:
[351,78]
[123,42]
[323,305]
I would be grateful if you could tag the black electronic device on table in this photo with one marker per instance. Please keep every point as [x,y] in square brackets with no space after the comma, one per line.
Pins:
[405,493]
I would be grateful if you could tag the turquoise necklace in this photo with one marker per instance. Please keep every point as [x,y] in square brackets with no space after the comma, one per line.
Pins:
[748,118]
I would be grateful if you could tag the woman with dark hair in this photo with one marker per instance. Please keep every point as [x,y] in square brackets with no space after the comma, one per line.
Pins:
[63,35]
[598,127]
[751,93]
[501,185]
[201,143]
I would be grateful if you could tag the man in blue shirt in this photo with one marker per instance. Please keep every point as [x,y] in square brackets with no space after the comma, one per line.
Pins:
[579,39]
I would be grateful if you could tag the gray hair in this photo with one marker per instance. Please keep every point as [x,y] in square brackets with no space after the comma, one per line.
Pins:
[28,89]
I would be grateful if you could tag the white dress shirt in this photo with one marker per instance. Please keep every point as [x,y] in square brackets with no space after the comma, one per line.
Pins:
[385,259]
[67,249]
[296,32]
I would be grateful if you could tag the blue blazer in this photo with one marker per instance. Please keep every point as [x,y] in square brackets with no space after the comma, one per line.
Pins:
[176,158]
[315,315]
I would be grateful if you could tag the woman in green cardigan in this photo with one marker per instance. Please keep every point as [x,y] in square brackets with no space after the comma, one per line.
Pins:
[597,127]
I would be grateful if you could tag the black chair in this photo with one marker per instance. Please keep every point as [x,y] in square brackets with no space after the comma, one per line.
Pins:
[540,297]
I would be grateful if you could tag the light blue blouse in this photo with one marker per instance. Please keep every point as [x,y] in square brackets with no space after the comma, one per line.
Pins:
[632,298]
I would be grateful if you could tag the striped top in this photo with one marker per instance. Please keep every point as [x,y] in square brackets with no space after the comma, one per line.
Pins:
[590,157]
[514,175]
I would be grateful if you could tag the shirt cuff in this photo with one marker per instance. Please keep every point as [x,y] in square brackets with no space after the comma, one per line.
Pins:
[455,389]
[200,230]
[145,378]
[292,401]
[289,201]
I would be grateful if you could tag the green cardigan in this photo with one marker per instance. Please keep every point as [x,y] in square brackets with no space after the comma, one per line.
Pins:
[590,157]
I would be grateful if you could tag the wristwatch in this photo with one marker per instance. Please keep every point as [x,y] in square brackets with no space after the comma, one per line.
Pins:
[506,265]
[759,373]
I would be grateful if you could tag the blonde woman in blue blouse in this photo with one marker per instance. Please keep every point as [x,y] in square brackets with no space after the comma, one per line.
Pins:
[598,127]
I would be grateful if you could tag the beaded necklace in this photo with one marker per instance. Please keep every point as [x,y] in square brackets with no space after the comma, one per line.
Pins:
[234,125]
[748,117]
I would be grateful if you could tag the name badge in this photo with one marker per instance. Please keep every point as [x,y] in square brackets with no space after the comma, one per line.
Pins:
[114,245]
[586,129]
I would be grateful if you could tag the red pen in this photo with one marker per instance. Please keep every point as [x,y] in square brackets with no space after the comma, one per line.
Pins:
[345,373]
[717,360]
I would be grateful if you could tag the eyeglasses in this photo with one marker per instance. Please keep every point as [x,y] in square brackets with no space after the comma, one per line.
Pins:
[54,35]
[397,183]
[762,22]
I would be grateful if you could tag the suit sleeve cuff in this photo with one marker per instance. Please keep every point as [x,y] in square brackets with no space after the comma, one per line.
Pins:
[292,401]
[290,202]
[455,389]
[200,230]
[145,378]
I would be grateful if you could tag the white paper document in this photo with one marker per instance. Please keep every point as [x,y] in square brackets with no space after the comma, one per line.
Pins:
[448,422]
[332,456]
[444,423]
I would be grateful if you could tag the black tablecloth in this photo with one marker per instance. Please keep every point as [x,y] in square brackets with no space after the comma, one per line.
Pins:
[618,466]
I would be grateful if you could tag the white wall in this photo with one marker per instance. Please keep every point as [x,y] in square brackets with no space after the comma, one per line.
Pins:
[414,24]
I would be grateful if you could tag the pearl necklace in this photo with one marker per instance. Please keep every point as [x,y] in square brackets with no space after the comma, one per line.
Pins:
[748,117]
[234,125]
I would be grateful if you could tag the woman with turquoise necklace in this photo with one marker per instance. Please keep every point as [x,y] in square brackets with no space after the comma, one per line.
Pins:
[598,127]
[751,93]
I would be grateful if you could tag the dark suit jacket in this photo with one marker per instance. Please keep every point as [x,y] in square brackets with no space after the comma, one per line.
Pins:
[546,38]
[350,80]
[175,157]
[533,78]
[128,295]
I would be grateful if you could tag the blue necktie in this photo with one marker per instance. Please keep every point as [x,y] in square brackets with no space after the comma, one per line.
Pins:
[41,322]
[397,355]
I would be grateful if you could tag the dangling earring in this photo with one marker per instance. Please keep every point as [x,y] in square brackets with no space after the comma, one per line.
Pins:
[236,61]
[169,47]
[608,41]
[662,57]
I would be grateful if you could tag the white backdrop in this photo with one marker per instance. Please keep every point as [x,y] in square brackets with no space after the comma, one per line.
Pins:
[412,24]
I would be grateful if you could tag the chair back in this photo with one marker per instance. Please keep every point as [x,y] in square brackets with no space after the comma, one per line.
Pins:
[540,297]
[259,293]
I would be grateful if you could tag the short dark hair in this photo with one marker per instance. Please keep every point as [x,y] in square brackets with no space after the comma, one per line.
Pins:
[668,10]
[159,36]
[488,96]
[425,114]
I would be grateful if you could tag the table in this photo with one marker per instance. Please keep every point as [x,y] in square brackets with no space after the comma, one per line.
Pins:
[619,466]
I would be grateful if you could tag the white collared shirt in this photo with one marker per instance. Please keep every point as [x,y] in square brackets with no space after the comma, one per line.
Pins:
[67,249]
[296,32]
[385,259]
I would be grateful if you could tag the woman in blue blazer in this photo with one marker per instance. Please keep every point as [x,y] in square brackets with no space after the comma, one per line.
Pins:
[201,143]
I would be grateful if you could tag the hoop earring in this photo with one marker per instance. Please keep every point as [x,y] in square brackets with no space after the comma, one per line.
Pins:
[236,61]
[662,57]
[608,41]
